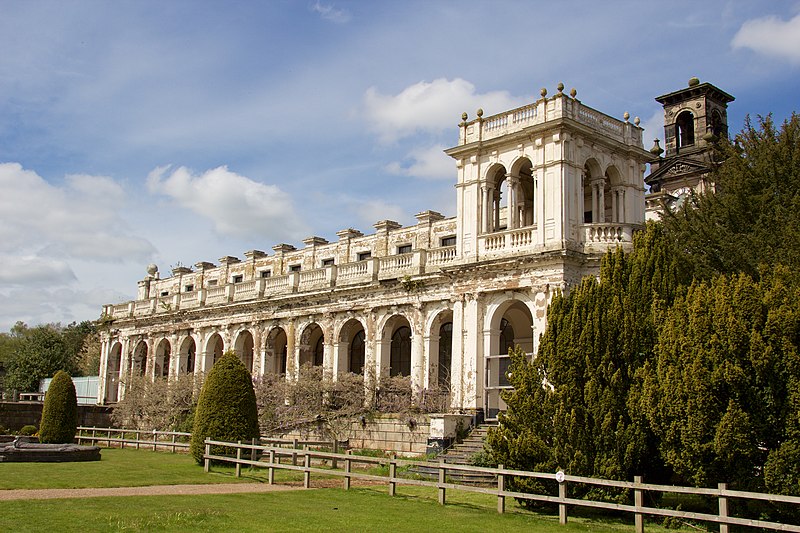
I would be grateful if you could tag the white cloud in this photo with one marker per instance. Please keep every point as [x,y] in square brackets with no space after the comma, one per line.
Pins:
[77,219]
[431,107]
[331,13]
[373,210]
[771,36]
[431,163]
[39,305]
[238,206]
[653,129]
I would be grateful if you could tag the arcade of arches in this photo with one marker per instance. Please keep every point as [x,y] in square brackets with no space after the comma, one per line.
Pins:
[399,342]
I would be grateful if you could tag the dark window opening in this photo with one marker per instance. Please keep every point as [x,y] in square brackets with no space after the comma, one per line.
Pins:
[327,262]
[189,288]
[506,344]
[266,273]
[238,278]
[319,352]
[449,241]
[404,249]
[685,129]
[295,268]
[357,353]
[400,359]
[445,353]
[363,256]
[164,293]
[212,283]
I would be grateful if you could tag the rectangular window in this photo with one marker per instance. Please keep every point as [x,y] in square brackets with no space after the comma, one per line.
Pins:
[266,273]
[295,268]
[212,283]
[189,288]
[363,256]
[327,262]
[404,249]
[449,241]
[238,278]
[164,293]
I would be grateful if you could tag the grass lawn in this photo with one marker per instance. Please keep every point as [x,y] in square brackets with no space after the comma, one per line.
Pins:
[125,468]
[362,509]
[314,510]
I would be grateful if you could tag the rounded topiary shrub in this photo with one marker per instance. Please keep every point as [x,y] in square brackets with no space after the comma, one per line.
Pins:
[27,430]
[226,409]
[60,412]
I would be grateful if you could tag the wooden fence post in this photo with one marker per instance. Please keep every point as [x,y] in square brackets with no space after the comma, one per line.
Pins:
[294,453]
[155,439]
[238,458]
[334,461]
[723,506]
[138,438]
[442,478]
[271,475]
[638,503]
[307,469]
[207,466]
[501,487]
[392,473]
[347,471]
[173,443]
[253,450]
[562,507]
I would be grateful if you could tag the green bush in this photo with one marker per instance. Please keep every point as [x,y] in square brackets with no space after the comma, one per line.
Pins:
[28,430]
[60,412]
[226,409]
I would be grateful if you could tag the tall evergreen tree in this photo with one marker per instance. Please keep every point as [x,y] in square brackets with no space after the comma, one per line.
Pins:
[571,407]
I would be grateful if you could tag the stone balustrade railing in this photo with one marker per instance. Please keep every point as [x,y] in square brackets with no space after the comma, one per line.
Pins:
[367,271]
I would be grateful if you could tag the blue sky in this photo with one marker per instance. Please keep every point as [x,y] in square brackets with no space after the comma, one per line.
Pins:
[166,132]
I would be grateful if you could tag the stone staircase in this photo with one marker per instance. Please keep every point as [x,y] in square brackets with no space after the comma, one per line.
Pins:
[461,454]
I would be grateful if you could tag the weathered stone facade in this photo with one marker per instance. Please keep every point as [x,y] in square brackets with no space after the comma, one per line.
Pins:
[542,192]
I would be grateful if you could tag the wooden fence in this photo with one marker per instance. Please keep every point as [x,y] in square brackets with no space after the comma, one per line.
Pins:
[177,440]
[247,454]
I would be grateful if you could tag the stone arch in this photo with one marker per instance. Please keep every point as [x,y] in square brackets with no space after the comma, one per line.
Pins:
[440,349]
[496,198]
[163,356]
[215,347]
[684,129]
[524,193]
[276,348]
[614,192]
[187,356]
[353,342]
[244,347]
[312,345]
[594,188]
[139,359]
[510,323]
[397,334]
[113,367]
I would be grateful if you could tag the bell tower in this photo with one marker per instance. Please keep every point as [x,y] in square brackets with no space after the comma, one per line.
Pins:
[694,118]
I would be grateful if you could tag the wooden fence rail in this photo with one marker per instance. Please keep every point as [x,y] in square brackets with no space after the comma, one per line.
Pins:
[179,441]
[270,459]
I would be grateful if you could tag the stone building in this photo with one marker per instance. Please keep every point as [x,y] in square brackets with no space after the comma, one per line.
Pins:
[542,192]
[694,118]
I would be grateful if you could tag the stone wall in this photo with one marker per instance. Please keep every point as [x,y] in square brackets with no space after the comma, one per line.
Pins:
[406,435]
[14,415]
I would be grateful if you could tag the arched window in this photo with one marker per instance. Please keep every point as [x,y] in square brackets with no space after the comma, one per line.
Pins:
[506,344]
[445,353]
[684,129]
[319,352]
[357,353]
[400,360]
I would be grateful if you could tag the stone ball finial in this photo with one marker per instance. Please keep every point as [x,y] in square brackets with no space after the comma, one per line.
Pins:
[573,92]
[479,112]
[543,92]
[693,81]
[636,120]
[464,116]
[152,269]
[560,87]
[626,116]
